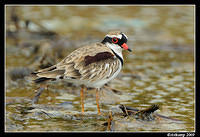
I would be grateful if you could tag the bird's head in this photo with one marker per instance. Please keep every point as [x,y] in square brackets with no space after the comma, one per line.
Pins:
[118,39]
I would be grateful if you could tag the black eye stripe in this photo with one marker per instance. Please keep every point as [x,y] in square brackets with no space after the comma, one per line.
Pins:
[107,39]
[120,41]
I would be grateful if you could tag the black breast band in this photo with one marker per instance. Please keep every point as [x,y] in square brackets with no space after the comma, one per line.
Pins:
[121,60]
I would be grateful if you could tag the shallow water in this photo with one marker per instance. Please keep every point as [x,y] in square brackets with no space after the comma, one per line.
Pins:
[160,70]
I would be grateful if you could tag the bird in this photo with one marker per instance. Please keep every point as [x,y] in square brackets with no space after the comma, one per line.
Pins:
[89,66]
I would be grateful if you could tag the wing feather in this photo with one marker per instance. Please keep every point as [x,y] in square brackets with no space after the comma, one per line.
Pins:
[88,63]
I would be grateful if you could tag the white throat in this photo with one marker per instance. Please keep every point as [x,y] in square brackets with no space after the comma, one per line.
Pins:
[117,49]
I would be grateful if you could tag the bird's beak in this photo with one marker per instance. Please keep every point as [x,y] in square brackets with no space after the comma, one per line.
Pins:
[124,46]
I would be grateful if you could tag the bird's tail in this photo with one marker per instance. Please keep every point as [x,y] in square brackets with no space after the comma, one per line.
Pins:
[47,74]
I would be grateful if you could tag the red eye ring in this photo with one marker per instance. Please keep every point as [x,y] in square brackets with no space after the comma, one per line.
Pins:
[114,40]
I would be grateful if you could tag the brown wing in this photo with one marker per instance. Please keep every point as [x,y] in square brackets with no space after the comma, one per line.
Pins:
[90,61]
[84,63]
[100,70]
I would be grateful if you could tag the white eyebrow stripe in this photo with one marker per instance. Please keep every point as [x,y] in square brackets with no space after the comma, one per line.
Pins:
[117,36]
[125,35]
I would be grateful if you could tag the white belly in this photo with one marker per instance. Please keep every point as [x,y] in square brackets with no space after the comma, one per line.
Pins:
[100,83]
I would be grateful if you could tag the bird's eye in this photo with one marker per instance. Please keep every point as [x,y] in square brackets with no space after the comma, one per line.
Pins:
[114,40]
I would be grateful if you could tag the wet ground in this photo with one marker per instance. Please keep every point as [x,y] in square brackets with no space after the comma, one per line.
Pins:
[159,71]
